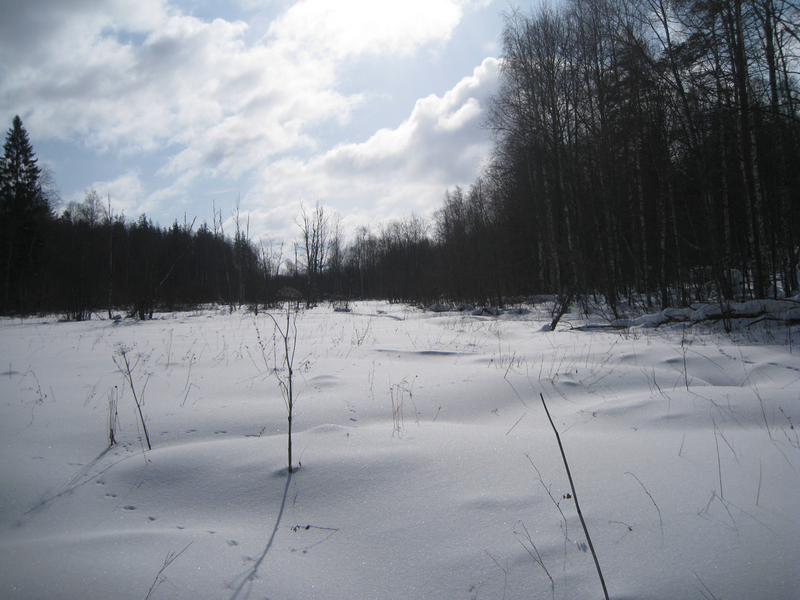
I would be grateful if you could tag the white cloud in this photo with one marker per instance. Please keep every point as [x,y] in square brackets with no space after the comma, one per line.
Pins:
[394,172]
[353,27]
[216,98]
[126,192]
[437,143]
[180,83]
[142,76]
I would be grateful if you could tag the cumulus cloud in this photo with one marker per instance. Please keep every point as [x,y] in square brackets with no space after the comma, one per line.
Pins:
[352,27]
[440,131]
[218,98]
[396,171]
[123,82]
[144,75]
[126,193]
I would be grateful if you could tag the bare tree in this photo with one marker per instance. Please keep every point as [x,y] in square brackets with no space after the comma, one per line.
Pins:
[336,253]
[285,373]
[314,227]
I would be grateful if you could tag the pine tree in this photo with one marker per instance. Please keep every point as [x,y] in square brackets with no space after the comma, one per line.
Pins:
[24,212]
[20,171]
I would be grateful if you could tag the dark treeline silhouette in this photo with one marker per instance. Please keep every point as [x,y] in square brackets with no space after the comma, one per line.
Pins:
[87,259]
[99,263]
[84,259]
[641,146]
[642,149]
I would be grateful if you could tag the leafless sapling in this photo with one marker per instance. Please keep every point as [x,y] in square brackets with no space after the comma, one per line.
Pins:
[288,335]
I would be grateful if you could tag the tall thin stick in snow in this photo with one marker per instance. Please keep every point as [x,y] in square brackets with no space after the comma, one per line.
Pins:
[575,497]
[122,351]
[289,337]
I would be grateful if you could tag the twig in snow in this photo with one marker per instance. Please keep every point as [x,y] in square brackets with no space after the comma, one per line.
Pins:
[719,463]
[298,528]
[708,596]
[564,523]
[122,351]
[160,578]
[660,521]
[763,411]
[758,494]
[516,393]
[792,442]
[546,489]
[504,570]
[726,505]
[515,424]
[534,554]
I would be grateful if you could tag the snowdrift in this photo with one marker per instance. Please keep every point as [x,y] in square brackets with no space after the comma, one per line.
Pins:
[427,467]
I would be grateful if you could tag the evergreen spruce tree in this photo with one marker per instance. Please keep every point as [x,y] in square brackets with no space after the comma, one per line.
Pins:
[24,212]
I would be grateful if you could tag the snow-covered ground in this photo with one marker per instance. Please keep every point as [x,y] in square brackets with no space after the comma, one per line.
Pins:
[428,468]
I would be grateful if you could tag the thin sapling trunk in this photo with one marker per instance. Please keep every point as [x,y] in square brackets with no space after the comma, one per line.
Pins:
[288,384]
[289,337]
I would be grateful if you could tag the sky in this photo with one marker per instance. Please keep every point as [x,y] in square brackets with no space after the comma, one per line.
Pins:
[373,108]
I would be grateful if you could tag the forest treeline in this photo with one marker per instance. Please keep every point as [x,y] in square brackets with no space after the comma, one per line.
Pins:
[642,148]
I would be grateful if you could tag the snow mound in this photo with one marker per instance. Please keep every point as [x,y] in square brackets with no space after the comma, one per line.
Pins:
[776,310]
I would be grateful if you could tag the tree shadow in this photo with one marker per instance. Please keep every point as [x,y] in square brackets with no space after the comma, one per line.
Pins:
[82,477]
[250,576]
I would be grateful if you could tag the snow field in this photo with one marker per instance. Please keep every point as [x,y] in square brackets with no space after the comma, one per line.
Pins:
[429,469]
